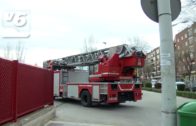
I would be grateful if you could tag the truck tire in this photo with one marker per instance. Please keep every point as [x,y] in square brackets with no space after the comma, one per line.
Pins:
[86,99]
[115,104]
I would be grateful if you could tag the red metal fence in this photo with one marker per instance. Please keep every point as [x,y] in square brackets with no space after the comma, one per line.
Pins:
[23,89]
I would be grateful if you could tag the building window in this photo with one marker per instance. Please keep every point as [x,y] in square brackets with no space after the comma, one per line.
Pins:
[179,69]
[185,35]
[190,40]
[186,43]
[177,40]
[179,47]
[181,37]
[195,30]
[194,77]
[182,52]
[190,32]
[154,59]
[191,48]
[158,51]
[179,55]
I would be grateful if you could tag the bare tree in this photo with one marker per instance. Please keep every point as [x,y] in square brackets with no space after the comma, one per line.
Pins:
[88,44]
[147,69]
[7,51]
[184,63]
[139,44]
[17,53]
[85,46]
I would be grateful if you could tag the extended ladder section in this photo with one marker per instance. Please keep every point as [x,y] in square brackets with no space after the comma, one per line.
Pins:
[89,58]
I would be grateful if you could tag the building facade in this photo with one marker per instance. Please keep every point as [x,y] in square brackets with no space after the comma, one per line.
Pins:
[152,64]
[185,57]
[185,53]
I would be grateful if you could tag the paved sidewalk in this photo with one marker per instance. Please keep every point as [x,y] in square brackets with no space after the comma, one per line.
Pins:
[36,118]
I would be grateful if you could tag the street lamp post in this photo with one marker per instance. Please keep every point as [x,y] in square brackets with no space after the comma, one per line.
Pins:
[161,12]
[168,106]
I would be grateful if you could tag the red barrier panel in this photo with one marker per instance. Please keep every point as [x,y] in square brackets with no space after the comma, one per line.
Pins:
[6,90]
[48,89]
[23,89]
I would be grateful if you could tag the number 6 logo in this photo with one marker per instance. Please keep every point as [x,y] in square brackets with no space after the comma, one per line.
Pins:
[15,24]
[17,19]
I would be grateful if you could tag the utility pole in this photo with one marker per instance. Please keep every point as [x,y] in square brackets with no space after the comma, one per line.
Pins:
[164,12]
[168,105]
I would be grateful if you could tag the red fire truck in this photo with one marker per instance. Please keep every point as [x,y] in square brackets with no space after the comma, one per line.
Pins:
[110,78]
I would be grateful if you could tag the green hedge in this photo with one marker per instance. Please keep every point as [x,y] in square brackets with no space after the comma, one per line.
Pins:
[152,89]
[186,94]
[147,84]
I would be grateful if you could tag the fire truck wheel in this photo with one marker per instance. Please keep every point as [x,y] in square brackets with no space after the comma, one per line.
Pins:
[115,104]
[86,99]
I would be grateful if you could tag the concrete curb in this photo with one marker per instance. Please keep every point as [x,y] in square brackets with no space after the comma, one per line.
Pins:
[37,118]
[61,123]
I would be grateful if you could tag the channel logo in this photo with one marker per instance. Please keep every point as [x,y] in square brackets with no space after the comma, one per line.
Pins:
[15,24]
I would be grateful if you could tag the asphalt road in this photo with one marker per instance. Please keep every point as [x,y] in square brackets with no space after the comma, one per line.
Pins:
[142,113]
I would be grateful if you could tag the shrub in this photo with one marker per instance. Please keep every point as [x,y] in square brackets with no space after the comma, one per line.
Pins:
[181,87]
[147,83]
[186,94]
[186,89]
[158,85]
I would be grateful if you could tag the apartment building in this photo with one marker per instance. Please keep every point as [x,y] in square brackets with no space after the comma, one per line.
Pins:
[185,57]
[152,64]
[185,53]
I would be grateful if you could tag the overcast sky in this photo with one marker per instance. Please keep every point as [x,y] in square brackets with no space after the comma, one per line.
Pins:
[58,28]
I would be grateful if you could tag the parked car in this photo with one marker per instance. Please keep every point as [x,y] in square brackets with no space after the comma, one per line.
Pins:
[180,85]
[153,82]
